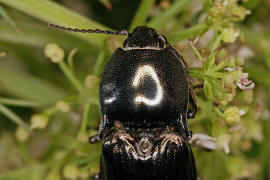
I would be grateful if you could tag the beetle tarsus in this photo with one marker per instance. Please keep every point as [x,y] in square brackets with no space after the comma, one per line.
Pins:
[95,177]
[183,127]
[191,115]
[94,139]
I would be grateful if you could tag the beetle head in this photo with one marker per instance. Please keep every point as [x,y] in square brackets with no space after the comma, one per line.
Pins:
[142,37]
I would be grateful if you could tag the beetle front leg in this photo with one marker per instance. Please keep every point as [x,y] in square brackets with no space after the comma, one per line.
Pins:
[183,127]
[193,103]
[103,128]
[94,139]
[95,177]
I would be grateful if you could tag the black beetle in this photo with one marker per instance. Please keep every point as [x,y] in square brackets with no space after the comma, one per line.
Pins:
[146,98]
[146,154]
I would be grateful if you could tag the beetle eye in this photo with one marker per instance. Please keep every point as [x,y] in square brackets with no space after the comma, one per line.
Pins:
[164,39]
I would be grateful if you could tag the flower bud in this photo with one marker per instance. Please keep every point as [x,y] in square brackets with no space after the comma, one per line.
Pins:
[217,10]
[232,115]
[54,52]
[21,134]
[229,35]
[62,106]
[229,80]
[91,81]
[240,61]
[239,12]
[39,121]
[71,172]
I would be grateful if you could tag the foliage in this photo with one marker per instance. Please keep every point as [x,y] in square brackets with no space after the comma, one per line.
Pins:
[48,84]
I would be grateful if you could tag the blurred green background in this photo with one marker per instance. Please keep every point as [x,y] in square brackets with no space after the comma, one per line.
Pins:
[49,78]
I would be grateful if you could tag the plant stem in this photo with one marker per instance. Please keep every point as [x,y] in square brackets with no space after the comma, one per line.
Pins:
[25,154]
[141,13]
[196,52]
[14,117]
[19,102]
[8,19]
[99,62]
[175,8]
[70,59]
[75,82]
[85,117]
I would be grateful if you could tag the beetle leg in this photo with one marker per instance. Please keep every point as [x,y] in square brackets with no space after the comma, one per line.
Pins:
[94,139]
[103,127]
[183,127]
[95,177]
[193,102]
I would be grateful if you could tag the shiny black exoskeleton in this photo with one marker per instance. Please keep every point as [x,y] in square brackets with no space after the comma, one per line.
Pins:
[146,99]
[147,154]
[145,84]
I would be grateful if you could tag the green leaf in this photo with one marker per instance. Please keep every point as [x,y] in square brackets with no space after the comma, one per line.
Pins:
[141,13]
[217,89]
[188,33]
[29,87]
[175,8]
[208,89]
[196,52]
[39,36]
[209,63]
[20,102]
[197,72]
[70,76]
[52,12]
[8,19]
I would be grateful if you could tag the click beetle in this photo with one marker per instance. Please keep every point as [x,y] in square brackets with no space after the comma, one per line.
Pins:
[146,98]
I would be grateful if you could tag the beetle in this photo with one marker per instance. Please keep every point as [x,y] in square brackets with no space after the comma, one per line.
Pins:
[148,154]
[146,98]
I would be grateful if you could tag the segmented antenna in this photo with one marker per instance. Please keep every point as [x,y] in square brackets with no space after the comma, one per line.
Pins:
[122,32]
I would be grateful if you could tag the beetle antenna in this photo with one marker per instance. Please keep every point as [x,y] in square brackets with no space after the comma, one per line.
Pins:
[122,32]
[164,39]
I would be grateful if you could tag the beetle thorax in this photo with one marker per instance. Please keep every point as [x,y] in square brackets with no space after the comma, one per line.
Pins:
[143,38]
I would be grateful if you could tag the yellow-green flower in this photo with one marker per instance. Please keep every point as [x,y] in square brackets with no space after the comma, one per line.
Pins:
[232,115]
[71,172]
[39,121]
[21,134]
[54,52]
[62,106]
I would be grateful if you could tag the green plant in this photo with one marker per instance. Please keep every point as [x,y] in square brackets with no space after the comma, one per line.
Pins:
[58,94]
